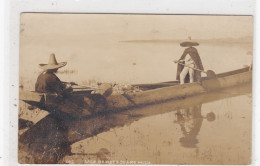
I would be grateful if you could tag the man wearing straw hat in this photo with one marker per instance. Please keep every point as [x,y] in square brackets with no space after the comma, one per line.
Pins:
[191,59]
[47,81]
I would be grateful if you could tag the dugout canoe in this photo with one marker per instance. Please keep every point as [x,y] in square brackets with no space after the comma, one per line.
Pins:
[150,94]
[156,93]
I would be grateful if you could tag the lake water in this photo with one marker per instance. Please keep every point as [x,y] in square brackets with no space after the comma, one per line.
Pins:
[214,128]
[204,132]
[130,63]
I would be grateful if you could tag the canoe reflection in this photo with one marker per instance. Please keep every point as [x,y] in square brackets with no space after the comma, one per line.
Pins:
[45,142]
[49,140]
[190,121]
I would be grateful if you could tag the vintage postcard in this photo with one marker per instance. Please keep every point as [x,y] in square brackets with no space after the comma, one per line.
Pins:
[135,89]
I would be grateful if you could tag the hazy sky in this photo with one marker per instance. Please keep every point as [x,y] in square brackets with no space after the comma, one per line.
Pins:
[90,43]
[131,27]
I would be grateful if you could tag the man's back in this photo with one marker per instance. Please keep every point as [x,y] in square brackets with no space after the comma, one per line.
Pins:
[49,82]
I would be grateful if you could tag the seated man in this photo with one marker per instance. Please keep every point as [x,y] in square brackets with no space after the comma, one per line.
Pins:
[191,59]
[47,81]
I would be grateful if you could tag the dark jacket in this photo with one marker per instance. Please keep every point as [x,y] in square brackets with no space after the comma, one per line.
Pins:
[198,64]
[49,82]
[64,104]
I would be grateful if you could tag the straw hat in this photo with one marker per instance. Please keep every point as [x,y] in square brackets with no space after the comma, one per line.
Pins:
[189,44]
[52,63]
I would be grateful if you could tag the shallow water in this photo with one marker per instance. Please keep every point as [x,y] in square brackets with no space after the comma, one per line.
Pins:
[134,63]
[181,136]
[213,128]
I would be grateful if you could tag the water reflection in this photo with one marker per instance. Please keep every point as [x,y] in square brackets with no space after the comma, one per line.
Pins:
[51,139]
[190,121]
[45,142]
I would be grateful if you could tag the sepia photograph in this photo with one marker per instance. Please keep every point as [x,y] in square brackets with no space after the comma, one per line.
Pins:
[135,89]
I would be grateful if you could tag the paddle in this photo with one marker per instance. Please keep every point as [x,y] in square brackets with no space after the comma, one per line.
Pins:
[210,73]
[76,86]
[104,89]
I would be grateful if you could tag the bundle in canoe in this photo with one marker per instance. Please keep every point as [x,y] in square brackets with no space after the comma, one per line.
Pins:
[150,94]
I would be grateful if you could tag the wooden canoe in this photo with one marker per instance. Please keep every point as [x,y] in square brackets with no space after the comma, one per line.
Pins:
[84,104]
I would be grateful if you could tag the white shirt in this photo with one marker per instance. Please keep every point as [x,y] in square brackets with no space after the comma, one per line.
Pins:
[188,59]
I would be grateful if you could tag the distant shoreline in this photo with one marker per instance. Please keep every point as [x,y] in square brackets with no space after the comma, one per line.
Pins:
[244,40]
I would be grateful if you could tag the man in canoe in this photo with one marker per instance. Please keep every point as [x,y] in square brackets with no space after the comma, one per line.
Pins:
[191,59]
[48,82]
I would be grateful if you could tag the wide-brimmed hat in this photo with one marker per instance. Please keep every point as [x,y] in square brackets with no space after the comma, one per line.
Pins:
[189,44]
[52,63]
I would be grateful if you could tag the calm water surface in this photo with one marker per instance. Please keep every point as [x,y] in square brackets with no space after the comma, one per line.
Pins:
[210,129]
[153,62]
[213,128]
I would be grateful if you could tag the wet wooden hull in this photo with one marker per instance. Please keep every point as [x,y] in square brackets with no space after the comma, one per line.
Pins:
[166,93]
[154,94]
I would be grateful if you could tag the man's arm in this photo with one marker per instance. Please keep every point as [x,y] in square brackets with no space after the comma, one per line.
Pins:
[55,85]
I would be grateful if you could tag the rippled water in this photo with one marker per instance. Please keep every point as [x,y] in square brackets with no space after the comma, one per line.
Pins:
[213,128]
